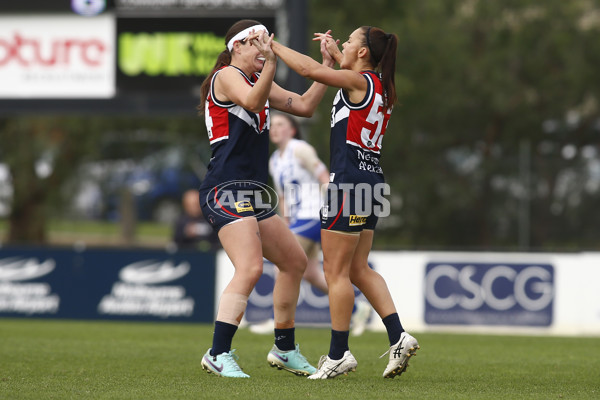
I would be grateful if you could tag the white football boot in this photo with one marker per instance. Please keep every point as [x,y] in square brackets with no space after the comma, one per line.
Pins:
[400,353]
[329,368]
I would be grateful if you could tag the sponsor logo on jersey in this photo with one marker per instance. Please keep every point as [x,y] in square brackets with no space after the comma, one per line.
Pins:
[243,205]
[356,220]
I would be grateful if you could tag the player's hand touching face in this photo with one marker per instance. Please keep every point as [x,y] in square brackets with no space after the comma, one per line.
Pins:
[262,43]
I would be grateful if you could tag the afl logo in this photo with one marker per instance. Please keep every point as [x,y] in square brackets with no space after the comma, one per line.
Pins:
[233,197]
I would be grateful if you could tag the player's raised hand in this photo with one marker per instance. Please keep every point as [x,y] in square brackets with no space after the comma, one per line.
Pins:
[262,41]
[330,44]
[327,58]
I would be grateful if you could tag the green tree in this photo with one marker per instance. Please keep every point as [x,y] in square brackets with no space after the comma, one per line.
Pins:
[40,153]
[45,153]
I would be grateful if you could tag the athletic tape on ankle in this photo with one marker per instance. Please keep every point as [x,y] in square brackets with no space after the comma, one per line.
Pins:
[231,308]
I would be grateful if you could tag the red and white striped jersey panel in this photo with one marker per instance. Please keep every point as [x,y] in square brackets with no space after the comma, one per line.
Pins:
[367,121]
[217,114]
[217,121]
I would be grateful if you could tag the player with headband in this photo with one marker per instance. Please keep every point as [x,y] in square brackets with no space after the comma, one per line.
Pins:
[235,99]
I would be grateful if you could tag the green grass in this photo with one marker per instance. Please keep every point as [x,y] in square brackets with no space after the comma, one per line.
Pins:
[48,359]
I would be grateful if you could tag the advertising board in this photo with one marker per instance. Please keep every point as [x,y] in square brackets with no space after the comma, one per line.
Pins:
[107,284]
[169,55]
[57,56]
[489,294]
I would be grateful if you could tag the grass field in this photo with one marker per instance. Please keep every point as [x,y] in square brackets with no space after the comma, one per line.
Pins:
[48,359]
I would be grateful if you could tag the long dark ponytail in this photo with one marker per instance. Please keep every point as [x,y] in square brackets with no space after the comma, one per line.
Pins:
[382,49]
[223,59]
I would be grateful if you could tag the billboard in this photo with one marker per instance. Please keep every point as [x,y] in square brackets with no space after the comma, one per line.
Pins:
[169,55]
[148,285]
[57,56]
[312,308]
[138,56]
[489,294]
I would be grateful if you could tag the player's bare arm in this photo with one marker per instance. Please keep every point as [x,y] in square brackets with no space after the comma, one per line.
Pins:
[301,105]
[231,86]
[309,68]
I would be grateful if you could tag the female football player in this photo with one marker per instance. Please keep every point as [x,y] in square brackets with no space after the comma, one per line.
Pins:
[235,101]
[359,118]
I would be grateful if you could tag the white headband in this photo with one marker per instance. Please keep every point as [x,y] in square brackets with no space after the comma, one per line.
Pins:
[244,34]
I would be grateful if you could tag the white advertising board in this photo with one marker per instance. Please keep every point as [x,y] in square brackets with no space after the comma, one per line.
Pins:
[498,293]
[520,293]
[57,56]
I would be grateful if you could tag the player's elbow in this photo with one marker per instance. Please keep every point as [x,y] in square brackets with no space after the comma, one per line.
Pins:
[309,113]
[305,111]
[305,71]
[255,107]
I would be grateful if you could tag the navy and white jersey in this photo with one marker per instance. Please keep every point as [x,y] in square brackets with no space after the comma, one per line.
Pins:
[356,134]
[239,139]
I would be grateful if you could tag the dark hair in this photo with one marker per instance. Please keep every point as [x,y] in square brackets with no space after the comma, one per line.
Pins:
[293,121]
[224,58]
[382,50]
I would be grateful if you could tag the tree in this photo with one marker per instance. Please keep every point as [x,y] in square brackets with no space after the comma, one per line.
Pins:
[40,153]
[43,153]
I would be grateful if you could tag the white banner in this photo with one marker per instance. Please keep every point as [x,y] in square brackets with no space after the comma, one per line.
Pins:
[522,286]
[517,293]
[57,56]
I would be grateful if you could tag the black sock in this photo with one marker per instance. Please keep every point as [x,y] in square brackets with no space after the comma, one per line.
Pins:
[222,338]
[394,328]
[339,344]
[284,339]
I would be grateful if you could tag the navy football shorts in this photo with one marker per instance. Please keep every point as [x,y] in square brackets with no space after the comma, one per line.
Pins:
[349,210]
[221,207]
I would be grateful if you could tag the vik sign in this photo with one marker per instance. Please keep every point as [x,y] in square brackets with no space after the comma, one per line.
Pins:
[489,294]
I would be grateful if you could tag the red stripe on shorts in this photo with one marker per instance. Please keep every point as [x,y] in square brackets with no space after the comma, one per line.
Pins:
[339,212]
[224,209]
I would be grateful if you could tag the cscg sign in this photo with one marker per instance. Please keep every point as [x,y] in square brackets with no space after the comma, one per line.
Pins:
[489,294]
